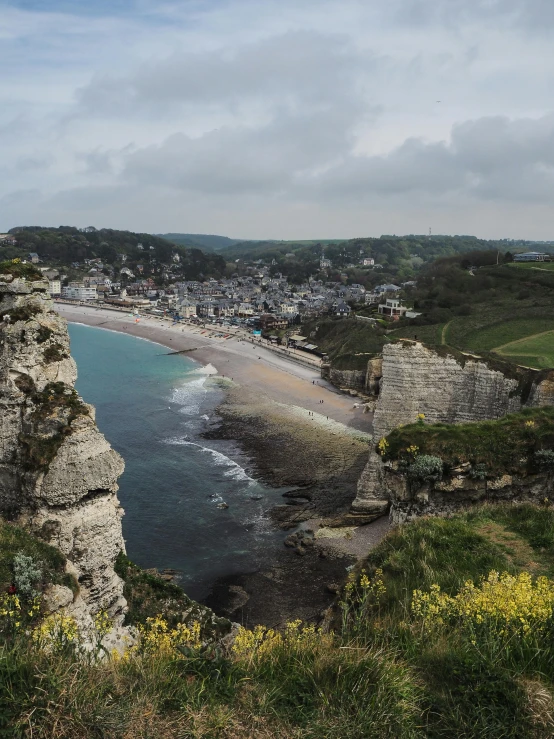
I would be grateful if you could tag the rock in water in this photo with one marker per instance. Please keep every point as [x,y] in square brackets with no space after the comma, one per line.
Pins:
[58,474]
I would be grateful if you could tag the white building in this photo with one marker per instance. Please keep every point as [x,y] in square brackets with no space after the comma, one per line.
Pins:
[77,291]
[368,262]
[323,263]
[55,287]
[392,308]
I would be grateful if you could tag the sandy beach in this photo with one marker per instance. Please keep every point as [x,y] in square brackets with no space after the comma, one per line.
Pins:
[253,367]
[273,409]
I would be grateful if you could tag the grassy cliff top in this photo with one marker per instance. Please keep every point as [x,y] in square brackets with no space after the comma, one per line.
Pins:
[505,445]
[393,667]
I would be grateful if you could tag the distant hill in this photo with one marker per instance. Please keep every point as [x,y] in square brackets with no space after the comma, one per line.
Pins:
[67,244]
[208,242]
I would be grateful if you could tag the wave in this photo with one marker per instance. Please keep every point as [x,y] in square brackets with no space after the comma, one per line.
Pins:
[207,369]
[234,470]
[190,396]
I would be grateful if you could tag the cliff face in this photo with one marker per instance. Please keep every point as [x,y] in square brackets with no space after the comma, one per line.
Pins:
[58,474]
[450,389]
[457,493]
[446,388]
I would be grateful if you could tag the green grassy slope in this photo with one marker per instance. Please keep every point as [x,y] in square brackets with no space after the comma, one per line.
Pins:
[387,672]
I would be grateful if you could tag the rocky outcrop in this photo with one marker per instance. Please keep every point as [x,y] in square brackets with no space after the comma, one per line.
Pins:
[448,387]
[58,474]
[344,379]
[459,492]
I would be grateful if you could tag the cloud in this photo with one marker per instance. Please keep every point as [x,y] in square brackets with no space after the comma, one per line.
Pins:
[184,115]
[296,68]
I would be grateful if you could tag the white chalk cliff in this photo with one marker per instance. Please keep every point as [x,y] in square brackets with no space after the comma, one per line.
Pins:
[58,474]
[447,387]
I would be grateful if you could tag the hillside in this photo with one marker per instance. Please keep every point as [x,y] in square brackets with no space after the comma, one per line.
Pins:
[416,652]
[208,242]
[505,309]
[65,245]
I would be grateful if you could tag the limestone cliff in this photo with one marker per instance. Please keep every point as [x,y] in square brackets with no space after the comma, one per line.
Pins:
[58,474]
[446,386]
[458,492]
[451,387]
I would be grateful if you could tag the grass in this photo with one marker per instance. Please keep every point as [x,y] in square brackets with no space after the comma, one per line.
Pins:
[379,676]
[506,445]
[537,351]
[17,269]
[542,266]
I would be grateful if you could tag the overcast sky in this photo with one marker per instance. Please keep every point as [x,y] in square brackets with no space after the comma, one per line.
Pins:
[279,118]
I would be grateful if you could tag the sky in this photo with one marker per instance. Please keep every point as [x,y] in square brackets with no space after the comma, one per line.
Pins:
[280,119]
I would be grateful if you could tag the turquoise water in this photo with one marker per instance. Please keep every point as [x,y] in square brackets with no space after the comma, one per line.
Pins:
[153,408]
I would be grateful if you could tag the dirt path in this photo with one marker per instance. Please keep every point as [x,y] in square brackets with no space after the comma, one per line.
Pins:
[520,341]
[443,332]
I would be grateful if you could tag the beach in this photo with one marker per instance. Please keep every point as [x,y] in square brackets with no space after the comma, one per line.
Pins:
[251,366]
[300,433]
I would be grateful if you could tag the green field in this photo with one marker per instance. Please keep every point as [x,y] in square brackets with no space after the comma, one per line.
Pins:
[533,351]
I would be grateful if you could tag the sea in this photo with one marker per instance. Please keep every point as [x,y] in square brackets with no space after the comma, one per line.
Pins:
[153,408]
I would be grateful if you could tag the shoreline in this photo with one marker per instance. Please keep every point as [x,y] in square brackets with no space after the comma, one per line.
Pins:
[272,409]
[253,367]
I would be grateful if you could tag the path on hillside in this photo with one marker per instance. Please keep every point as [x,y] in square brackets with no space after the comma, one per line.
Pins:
[499,349]
[444,330]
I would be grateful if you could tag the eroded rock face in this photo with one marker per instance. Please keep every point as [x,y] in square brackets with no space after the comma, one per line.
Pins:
[416,380]
[457,493]
[447,389]
[58,474]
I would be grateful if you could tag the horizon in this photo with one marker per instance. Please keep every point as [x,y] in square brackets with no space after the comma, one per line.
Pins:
[238,117]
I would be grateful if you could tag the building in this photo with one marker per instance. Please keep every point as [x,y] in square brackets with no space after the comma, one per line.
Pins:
[342,310]
[324,263]
[186,309]
[55,287]
[392,308]
[368,262]
[271,322]
[7,240]
[77,291]
[33,257]
[531,256]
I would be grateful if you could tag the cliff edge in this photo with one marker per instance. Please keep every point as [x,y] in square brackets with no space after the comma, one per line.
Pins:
[58,474]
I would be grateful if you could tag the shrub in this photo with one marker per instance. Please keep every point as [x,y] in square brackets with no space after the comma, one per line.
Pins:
[54,353]
[478,471]
[27,575]
[425,468]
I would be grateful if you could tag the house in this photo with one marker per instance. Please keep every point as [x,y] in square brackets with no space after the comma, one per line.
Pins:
[324,263]
[342,310]
[78,291]
[186,309]
[368,262]
[33,257]
[7,240]
[392,308]
[271,322]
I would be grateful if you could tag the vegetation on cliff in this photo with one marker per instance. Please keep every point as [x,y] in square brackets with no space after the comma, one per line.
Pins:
[514,444]
[16,268]
[53,411]
[405,658]
[348,344]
